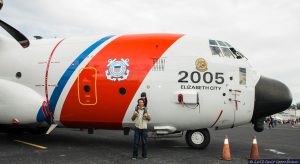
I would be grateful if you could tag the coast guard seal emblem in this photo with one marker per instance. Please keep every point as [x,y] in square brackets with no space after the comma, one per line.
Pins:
[201,65]
[117,69]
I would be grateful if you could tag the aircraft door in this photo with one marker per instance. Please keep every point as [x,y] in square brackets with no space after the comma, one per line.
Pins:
[242,98]
[87,88]
[232,98]
[228,112]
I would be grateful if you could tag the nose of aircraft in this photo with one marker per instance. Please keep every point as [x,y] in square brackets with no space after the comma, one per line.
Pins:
[271,96]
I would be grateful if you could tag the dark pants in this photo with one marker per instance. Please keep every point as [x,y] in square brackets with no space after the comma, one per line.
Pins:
[140,134]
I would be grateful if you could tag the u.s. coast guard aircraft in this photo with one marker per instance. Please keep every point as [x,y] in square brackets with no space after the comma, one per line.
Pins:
[192,84]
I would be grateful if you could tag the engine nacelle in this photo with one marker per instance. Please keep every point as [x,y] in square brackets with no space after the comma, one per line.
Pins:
[19,104]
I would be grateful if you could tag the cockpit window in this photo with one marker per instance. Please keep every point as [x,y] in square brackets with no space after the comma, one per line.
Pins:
[224,49]
[233,51]
[228,44]
[227,52]
[221,43]
[213,42]
[215,50]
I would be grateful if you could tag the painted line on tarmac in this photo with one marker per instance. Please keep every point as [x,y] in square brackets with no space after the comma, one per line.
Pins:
[31,144]
[275,151]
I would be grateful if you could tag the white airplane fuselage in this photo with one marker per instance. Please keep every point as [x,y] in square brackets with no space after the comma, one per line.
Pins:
[172,73]
[96,82]
[191,84]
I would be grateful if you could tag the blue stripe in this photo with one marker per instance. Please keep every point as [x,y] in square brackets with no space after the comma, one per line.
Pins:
[66,76]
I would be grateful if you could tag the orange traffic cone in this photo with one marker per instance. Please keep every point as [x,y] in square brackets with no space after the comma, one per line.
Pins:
[254,149]
[226,150]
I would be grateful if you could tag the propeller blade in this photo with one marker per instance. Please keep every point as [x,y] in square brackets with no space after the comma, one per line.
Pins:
[23,41]
[1,4]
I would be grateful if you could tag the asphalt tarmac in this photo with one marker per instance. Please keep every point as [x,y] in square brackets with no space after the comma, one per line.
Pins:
[108,146]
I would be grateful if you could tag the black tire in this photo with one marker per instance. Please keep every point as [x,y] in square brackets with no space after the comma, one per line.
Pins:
[192,138]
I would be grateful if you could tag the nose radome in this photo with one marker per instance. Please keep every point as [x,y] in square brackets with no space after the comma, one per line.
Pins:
[271,96]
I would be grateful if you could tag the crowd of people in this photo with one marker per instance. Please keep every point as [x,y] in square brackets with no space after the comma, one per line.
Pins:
[272,122]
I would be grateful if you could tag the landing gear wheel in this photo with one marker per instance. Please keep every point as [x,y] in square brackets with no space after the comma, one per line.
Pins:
[197,139]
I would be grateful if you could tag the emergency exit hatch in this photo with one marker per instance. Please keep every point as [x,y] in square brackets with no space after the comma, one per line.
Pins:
[87,88]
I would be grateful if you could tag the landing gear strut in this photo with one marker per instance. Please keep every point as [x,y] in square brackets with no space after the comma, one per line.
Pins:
[197,139]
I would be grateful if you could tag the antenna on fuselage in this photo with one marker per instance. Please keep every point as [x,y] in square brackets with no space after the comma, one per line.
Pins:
[38,37]
[23,41]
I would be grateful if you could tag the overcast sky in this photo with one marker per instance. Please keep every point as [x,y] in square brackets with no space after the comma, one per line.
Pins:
[267,32]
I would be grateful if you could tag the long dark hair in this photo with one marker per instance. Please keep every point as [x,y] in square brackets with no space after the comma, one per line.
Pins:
[143,94]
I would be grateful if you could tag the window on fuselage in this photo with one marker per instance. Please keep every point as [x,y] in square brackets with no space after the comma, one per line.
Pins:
[224,49]
[243,74]
[235,53]
[213,43]
[221,43]
[228,44]
[215,50]
[233,50]
[227,52]
[239,53]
